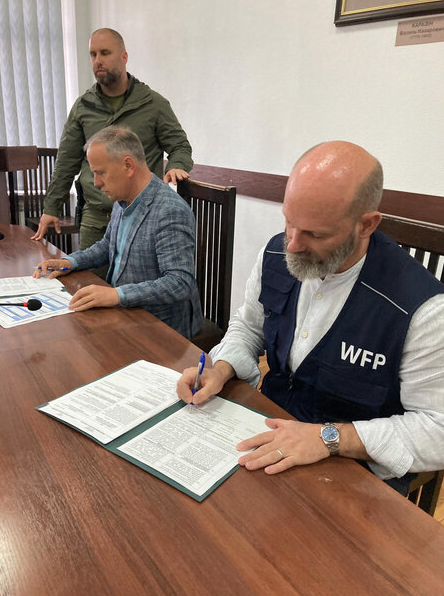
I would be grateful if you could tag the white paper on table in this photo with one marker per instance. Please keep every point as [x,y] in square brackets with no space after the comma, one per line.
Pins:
[112,405]
[15,286]
[53,304]
[196,446]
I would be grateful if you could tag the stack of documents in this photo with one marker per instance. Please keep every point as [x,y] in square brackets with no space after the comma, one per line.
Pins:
[50,292]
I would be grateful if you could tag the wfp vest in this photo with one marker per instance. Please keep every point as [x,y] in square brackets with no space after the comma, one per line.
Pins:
[353,372]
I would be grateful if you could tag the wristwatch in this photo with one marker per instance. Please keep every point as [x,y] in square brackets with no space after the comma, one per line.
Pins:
[330,436]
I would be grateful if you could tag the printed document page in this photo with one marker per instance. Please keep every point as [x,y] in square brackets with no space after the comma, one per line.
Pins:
[109,407]
[15,286]
[196,446]
[53,303]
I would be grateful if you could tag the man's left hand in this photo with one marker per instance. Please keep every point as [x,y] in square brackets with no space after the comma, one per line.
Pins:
[94,296]
[299,443]
[174,175]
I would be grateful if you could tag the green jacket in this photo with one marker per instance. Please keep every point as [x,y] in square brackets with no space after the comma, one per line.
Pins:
[144,111]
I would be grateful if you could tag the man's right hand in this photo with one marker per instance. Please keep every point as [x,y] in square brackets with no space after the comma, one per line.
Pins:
[211,382]
[62,265]
[45,221]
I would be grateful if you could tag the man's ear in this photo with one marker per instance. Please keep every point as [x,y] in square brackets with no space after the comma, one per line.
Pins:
[128,164]
[368,223]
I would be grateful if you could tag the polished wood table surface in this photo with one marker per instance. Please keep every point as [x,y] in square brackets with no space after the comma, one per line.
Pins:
[78,520]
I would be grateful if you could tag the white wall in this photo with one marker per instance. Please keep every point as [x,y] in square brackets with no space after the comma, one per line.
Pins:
[255,83]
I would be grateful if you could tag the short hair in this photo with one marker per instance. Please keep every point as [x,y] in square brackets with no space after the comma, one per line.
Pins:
[368,194]
[115,34]
[118,141]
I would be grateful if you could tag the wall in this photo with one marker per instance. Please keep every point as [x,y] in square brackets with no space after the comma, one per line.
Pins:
[255,83]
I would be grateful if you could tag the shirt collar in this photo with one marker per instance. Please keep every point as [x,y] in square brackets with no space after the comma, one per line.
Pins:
[128,209]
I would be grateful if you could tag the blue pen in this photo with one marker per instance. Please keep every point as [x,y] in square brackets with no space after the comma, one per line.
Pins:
[200,368]
[55,268]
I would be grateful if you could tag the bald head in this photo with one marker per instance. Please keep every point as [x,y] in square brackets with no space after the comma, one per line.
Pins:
[339,175]
[115,35]
[330,207]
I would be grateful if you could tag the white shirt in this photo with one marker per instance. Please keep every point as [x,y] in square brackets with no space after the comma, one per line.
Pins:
[411,442]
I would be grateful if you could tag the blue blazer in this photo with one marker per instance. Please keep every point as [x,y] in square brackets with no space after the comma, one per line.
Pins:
[157,263]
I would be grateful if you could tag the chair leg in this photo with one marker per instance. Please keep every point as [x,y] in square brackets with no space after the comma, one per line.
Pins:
[413,496]
[430,494]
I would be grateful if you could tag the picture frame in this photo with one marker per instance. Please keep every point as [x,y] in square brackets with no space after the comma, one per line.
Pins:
[352,12]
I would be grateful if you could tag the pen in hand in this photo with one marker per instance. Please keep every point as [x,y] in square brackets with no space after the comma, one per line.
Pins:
[54,268]
[200,368]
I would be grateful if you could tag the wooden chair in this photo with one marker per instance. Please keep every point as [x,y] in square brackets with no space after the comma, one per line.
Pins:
[27,190]
[424,490]
[214,210]
[425,241]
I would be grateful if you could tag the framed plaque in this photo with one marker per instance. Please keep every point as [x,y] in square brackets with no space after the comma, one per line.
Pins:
[352,12]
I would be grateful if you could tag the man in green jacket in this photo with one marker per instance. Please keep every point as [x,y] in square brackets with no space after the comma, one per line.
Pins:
[118,98]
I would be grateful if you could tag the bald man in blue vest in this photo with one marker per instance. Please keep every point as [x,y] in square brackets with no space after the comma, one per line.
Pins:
[353,329]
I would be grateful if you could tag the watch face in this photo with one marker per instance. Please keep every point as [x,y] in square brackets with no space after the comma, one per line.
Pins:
[330,433]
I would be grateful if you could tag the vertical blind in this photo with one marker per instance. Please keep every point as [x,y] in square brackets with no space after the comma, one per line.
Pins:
[32,74]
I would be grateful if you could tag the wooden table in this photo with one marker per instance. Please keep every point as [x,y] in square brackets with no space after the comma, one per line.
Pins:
[77,520]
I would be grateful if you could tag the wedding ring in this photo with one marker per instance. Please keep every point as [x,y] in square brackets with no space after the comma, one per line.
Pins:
[280,452]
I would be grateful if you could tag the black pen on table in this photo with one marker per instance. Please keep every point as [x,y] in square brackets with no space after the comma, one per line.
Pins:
[200,368]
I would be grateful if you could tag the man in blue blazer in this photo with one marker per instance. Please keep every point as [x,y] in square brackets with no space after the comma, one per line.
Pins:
[149,243]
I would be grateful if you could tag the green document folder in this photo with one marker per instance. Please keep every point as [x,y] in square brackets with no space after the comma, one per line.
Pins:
[115,444]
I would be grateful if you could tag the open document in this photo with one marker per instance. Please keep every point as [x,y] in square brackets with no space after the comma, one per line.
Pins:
[107,408]
[19,286]
[135,413]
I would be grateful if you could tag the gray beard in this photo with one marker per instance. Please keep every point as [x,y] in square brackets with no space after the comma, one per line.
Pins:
[305,265]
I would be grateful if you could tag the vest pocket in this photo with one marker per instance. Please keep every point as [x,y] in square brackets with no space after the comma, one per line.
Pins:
[275,291]
[274,301]
[340,397]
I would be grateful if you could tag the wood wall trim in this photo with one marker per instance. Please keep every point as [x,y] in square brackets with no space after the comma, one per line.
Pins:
[413,205]
[271,187]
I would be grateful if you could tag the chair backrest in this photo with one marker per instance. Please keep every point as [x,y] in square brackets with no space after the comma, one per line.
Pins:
[424,240]
[27,187]
[27,190]
[214,210]
[36,182]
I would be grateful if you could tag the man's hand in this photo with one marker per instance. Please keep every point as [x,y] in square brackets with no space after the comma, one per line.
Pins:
[299,442]
[174,175]
[211,382]
[44,223]
[45,267]
[293,443]
[94,296]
